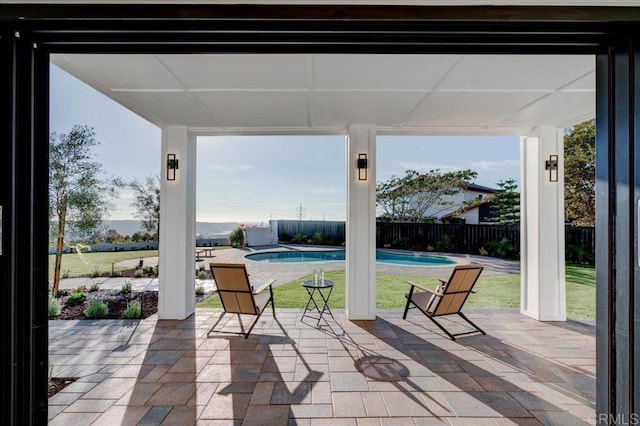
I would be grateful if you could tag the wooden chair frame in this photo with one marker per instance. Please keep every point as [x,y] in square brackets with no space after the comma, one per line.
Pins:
[433,306]
[239,295]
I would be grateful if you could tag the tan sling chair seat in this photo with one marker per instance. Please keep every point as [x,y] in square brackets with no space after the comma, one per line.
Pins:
[448,298]
[238,296]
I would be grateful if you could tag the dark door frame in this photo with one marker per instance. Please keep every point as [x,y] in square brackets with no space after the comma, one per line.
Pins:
[30,33]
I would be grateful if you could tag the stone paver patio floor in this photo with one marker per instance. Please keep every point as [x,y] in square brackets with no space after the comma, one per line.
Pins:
[383,372]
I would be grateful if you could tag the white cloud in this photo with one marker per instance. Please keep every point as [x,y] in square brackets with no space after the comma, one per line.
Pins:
[425,167]
[126,194]
[474,165]
[228,169]
[325,190]
[495,165]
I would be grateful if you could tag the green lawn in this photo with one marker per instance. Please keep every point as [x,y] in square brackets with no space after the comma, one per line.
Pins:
[581,292]
[493,292]
[74,264]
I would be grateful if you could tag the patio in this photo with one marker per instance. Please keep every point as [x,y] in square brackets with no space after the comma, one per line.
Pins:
[387,371]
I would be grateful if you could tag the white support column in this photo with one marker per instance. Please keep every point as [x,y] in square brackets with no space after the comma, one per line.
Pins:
[542,274]
[176,298]
[361,226]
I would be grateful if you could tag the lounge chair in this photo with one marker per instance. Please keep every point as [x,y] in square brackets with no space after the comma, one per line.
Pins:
[448,298]
[238,295]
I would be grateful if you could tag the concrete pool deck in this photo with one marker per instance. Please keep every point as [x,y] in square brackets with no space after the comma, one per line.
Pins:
[287,272]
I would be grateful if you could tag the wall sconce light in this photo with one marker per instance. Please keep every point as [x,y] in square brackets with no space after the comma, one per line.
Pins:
[361,165]
[552,165]
[172,166]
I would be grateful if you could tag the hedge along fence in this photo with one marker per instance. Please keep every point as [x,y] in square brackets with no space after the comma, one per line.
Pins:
[580,244]
[452,238]
[499,240]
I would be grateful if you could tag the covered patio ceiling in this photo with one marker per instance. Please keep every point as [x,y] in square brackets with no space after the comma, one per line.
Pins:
[325,93]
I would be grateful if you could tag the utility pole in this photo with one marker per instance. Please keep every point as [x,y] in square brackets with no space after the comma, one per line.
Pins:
[300,216]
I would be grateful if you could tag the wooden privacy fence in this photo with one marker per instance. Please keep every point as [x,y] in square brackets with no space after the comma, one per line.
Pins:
[580,244]
[496,240]
[456,238]
[302,231]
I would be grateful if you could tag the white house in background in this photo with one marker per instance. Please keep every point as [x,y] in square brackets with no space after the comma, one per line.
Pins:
[471,206]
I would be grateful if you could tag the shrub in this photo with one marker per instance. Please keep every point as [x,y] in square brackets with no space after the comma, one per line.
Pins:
[95,273]
[445,243]
[483,252]
[54,307]
[236,238]
[66,273]
[80,289]
[138,273]
[116,274]
[298,238]
[402,242]
[96,309]
[577,253]
[94,287]
[134,310]
[75,298]
[318,238]
[200,290]
[126,288]
[202,275]
[502,248]
[148,269]
[62,293]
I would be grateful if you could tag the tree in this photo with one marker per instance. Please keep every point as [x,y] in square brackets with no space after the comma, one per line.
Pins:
[78,194]
[506,203]
[416,196]
[146,201]
[393,199]
[580,174]
[112,236]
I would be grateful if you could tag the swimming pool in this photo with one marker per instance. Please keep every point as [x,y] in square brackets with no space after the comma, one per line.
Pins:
[382,256]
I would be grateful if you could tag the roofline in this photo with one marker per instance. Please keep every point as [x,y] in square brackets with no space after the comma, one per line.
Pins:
[467,208]
[380,11]
[480,188]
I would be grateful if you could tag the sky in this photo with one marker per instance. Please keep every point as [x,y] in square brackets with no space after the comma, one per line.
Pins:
[252,179]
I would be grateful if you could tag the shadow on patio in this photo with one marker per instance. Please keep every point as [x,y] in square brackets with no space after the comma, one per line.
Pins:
[289,372]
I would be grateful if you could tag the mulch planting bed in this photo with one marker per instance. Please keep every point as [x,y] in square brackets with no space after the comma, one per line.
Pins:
[56,384]
[117,302]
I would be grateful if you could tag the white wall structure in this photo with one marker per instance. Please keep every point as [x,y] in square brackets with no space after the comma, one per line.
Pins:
[360,262]
[176,298]
[262,236]
[456,203]
[542,227]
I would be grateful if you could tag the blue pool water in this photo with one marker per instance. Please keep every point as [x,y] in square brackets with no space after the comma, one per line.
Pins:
[382,256]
